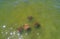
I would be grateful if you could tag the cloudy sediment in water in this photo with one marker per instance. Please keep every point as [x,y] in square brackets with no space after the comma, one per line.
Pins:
[8,6]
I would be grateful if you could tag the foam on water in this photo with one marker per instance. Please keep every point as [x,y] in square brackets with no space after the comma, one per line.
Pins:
[14,32]
[18,34]
[4,26]
[8,38]
[11,33]
[20,38]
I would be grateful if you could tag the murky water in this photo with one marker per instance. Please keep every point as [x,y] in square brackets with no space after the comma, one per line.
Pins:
[9,13]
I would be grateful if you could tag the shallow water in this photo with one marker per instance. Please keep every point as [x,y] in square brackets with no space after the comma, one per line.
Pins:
[15,12]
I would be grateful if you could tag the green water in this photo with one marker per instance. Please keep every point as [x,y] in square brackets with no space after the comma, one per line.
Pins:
[46,12]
